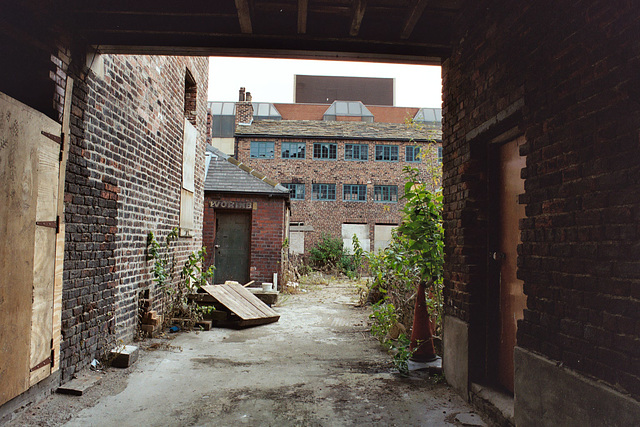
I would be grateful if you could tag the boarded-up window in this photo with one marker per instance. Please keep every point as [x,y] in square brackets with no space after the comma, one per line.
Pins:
[296,242]
[362,233]
[188,179]
[382,236]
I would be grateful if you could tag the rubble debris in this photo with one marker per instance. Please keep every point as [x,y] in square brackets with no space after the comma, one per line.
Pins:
[123,356]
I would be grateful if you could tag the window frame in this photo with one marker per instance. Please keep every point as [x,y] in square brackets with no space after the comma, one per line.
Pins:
[439,154]
[291,143]
[317,189]
[379,190]
[415,153]
[329,145]
[262,143]
[297,186]
[361,188]
[360,147]
[390,149]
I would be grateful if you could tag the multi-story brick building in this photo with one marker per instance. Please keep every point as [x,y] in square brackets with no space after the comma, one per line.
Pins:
[345,177]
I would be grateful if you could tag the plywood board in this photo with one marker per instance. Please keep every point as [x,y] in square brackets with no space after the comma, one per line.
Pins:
[20,134]
[242,303]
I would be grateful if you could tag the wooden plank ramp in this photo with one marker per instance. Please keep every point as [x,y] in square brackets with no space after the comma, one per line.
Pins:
[241,302]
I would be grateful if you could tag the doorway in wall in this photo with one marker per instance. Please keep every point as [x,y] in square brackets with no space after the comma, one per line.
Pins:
[232,246]
[506,294]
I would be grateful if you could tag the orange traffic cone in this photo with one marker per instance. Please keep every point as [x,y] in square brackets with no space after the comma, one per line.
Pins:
[421,338]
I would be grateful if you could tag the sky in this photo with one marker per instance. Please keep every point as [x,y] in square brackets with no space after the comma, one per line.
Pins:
[271,80]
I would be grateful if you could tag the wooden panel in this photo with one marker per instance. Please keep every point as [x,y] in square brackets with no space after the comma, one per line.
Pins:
[20,134]
[242,303]
[512,298]
[189,156]
[42,314]
[186,210]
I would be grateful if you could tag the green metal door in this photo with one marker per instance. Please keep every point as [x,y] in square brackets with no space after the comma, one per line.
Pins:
[232,246]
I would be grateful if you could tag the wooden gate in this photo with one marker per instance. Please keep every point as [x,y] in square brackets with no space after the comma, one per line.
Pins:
[31,246]
[232,246]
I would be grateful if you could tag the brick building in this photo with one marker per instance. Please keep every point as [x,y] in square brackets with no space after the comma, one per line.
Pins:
[345,177]
[558,78]
[246,216]
[133,145]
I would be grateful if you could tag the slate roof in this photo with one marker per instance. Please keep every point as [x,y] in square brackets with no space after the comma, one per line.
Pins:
[227,175]
[340,130]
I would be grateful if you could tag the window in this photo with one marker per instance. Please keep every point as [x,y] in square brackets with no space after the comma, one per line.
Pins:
[296,191]
[324,192]
[356,152]
[262,150]
[387,153]
[440,154]
[325,151]
[385,193]
[412,154]
[354,193]
[293,150]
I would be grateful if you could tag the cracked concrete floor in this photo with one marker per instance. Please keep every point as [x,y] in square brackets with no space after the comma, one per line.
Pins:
[317,366]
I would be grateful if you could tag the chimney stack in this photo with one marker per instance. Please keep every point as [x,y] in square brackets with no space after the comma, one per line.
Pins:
[244,108]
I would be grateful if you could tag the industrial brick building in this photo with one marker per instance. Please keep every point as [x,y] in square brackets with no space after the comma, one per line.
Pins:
[554,83]
[345,177]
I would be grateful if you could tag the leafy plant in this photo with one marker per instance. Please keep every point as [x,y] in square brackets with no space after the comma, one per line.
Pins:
[327,254]
[193,276]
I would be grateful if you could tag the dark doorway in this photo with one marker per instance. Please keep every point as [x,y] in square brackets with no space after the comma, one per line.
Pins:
[232,246]
[506,289]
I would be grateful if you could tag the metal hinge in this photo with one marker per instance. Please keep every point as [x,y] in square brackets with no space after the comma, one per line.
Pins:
[58,139]
[45,362]
[51,224]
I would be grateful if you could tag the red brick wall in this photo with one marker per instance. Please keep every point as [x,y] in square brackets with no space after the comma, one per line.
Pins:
[328,216]
[574,66]
[123,180]
[267,233]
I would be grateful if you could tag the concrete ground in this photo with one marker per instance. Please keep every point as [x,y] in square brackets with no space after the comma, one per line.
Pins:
[317,366]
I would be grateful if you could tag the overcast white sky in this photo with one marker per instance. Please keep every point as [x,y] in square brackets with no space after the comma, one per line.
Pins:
[271,80]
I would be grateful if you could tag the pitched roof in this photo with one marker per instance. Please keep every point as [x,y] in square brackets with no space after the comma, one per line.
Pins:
[340,129]
[227,175]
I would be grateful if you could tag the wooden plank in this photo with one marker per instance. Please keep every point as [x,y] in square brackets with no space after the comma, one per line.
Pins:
[359,7]
[303,6]
[56,333]
[20,133]
[44,262]
[412,19]
[235,306]
[244,309]
[242,303]
[79,385]
[244,16]
[253,300]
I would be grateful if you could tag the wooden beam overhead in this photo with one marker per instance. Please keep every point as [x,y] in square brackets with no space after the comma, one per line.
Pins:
[303,6]
[412,19]
[244,16]
[359,7]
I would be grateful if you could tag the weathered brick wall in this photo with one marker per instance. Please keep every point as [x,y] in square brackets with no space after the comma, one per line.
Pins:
[267,233]
[124,180]
[328,216]
[576,66]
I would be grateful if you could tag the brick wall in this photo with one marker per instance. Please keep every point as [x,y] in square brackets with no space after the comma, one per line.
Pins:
[267,233]
[124,180]
[567,75]
[328,216]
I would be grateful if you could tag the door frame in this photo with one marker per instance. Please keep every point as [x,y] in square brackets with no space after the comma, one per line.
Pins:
[494,222]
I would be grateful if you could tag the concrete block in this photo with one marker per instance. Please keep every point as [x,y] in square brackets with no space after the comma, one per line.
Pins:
[572,400]
[80,384]
[123,356]
[456,354]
